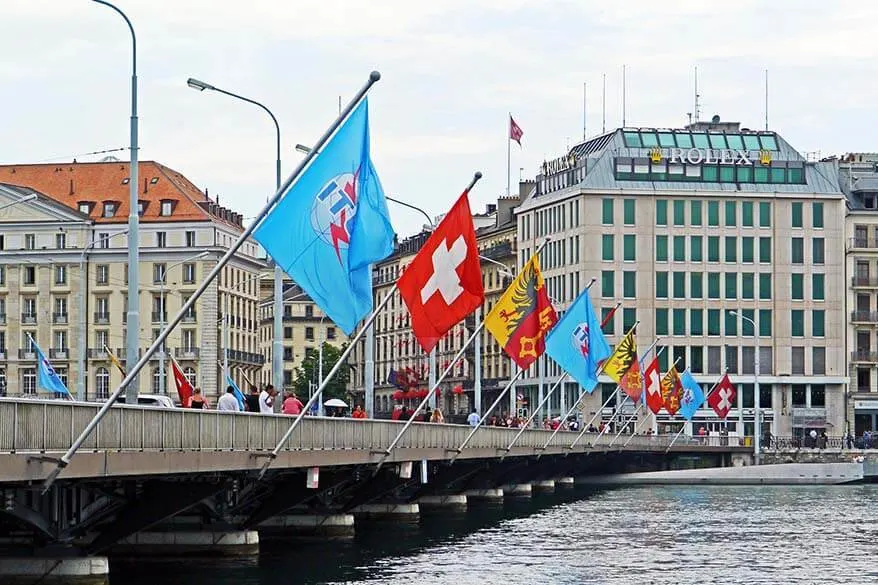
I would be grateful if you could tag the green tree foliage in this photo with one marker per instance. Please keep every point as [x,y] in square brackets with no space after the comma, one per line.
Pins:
[307,374]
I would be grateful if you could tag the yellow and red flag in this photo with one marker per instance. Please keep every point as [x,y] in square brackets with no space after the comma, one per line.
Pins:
[624,355]
[632,381]
[672,391]
[523,315]
[115,361]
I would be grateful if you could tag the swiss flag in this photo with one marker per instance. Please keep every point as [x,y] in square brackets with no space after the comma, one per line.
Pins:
[723,396]
[443,284]
[654,399]
[515,131]
[184,388]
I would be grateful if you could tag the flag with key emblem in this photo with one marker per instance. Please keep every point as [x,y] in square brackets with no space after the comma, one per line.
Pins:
[443,284]
[723,396]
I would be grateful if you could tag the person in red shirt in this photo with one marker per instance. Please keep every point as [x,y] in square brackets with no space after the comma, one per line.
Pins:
[292,405]
[358,412]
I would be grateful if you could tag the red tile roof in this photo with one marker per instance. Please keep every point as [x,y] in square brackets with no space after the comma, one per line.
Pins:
[100,182]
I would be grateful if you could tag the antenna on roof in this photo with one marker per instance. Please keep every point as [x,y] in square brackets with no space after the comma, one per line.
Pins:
[604,107]
[584,95]
[766,99]
[624,96]
[697,97]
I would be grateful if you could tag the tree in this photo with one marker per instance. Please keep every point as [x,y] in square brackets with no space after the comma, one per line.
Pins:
[307,374]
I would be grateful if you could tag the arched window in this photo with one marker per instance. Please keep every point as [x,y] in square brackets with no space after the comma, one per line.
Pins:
[102,383]
[189,374]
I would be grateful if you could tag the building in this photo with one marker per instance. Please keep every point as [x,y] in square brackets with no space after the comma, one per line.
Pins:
[396,350]
[305,326]
[77,226]
[702,233]
[859,181]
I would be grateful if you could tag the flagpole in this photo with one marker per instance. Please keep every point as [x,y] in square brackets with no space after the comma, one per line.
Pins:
[508,151]
[642,402]
[706,396]
[65,459]
[326,380]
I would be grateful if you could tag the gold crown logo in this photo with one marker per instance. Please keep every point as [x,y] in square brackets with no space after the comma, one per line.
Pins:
[765,157]
[655,154]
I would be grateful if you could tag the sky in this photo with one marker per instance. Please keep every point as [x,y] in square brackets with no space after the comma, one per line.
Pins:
[452,71]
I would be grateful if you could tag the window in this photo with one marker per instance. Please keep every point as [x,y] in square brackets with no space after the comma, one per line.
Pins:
[161,239]
[288,332]
[732,359]
[60,307]
[679,248]
[748,287]
[765,214]
[661,285]
[796,214]
[747,249]
[629,284]
[102,338]
[731,213]
[797,323]
[661,248]
[661,321]
[765,322]
[104,240]
[765,287]
[607,247]
[695,212]
[797,286]
[309,311]
[330,333]
[61,241]
[695,251]
[189,374]
[713,285]
[713,213]
[679,212]
[747,213]
[629,318]
[661,212]
[188,339]
[731,249]
[60,274]
[818,323]
[679,322]
[109,209]
[85,208]
[817,214]
[747,320]
[765,250]
[695,285]
[628,207]
[29,381]
[629,252]
[818,368]
[679,285]
[102,273]
[59,340]
[696,322]
[798,251]
[2,276]
[189,273]
[167,207]
[607,211]
[713,248]
[190,239]
[158,272]
[102,383]
[731,323]
[608,284]
[817,251]
[309,334]
[30,242]
[818,291]
[713,322]
[731,285]
[30,275]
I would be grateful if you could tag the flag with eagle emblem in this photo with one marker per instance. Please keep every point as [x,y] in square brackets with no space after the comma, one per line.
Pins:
[523,315]
[672,391]
[625,354]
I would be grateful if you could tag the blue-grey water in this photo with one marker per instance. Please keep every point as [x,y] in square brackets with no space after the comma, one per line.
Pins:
[656,535]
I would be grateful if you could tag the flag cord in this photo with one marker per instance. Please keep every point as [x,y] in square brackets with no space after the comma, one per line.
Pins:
[326,380]
[64,461]
[683,428]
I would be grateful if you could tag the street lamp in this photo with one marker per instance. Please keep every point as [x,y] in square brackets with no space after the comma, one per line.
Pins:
[30,197]
[162,315]
[757,427]
[133,341]
[277,353]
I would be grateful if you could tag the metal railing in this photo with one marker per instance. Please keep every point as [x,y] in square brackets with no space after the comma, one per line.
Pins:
[862,242]
[29,318]
[187,352]
[33,425]
[864,316]
[864,355]
[101,318]
[781,443]
[59,318]
[864,280]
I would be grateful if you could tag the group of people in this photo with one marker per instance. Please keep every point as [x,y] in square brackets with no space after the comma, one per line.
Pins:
[263,402]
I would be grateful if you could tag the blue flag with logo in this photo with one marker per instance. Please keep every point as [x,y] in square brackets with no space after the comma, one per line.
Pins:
[47,377]
[332,225]
[238,394]
[693,395]
[577,342]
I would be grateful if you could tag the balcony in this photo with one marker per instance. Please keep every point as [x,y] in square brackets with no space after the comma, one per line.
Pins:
[97,353]
[122,354]
[59,318]
[498,251]
[862,243]
[101,318]
[864,281]
[59,354]
[28,318]
[190,317]
[159,317]
[26,354]
[246,357]
[864,316]
[190,353]
[864,355]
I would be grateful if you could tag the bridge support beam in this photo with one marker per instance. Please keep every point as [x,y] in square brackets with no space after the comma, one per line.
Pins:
[444,501]
[545,486]
[387,510]
[564,483]
[54,571]
[307,526]
[183,543]
[518,490]
[484,495]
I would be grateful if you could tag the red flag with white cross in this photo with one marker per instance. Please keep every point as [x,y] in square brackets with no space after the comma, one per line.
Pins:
[723,396]
[443,284]
[653,380]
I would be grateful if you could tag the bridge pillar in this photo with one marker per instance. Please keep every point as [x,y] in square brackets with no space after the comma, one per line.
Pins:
[495,494]
[212,543]
[546,486]
[564,482]
[518,490]
[387,510]
[54,571]
[444,501]
[307,526]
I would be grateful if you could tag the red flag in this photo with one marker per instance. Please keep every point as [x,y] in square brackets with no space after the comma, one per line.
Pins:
[654,400]
[632,381]
[723,397]
[184,388]
[443,284]
[515,131]
[672,391]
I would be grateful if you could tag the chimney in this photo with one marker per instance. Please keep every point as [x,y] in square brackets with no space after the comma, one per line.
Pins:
[206,196]
[71,186]
[145,185]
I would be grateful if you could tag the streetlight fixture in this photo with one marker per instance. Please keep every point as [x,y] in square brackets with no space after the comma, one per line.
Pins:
[162,389]
[133,341]
[757,426]
[277,345]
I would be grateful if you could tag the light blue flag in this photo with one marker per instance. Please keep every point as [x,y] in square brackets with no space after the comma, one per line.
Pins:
[47,378]
[577,342]
[332,224]
[693,395]
[238,394]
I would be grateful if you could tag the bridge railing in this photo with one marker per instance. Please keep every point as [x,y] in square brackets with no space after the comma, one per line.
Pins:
[48,425]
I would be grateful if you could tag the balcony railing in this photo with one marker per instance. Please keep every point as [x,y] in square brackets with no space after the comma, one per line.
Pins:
[97,353]
[246,357]
[159,317]
[29,318]
[864,355]
[502,250]
[864,316]
[59,354]
[863,243]
[864,280]
[26,354]
[101,318]
[59,318]
[190,317]
[187,352]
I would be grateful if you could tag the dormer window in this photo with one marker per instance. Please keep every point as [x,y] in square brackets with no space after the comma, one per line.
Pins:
[109,209]
[154,180]
[167,207]
[126,180]
[141,207]
[84,207]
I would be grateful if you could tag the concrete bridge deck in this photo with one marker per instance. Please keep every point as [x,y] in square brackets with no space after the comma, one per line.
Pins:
[141,441]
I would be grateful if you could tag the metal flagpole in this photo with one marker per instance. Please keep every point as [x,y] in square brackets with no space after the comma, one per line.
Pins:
[477,367]
[64,461]
[706,396]
[642,402]
[508,151]
[316,394]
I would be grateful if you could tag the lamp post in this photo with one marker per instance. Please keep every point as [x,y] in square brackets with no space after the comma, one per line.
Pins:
[132,341]
[162,389]
[277,345]
[757,426]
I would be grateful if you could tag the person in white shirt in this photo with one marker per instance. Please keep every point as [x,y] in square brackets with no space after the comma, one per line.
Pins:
[473,419]
[228,401]
[266,400]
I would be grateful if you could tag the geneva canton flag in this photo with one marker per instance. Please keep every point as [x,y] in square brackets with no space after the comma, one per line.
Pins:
[332,224]
[578,344]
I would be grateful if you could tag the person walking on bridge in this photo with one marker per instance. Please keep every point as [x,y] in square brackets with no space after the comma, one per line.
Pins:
[228,402]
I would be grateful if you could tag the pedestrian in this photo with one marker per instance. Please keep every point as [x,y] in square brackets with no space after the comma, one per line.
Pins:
[252,400]
[292,405]
[228,402]
[266,400]
[473,419]
[437,417]
[198,401]
[358,412]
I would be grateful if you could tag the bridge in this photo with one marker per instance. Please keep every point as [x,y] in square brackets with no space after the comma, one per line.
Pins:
[154,471]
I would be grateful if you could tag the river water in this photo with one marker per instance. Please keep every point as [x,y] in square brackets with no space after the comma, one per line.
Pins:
[627,536]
